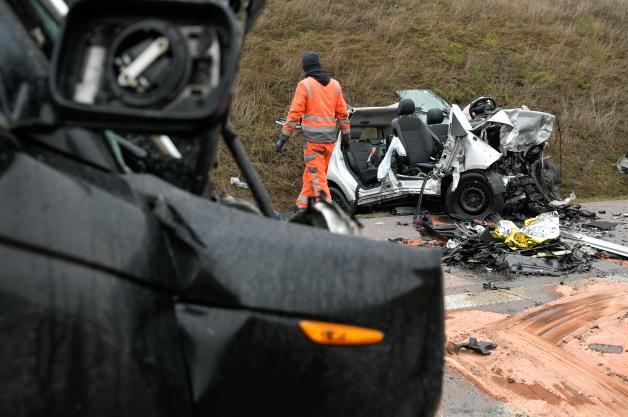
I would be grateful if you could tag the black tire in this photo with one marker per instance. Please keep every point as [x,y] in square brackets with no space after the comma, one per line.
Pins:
[552,176]
[474,198]
[547,180]
[340,200]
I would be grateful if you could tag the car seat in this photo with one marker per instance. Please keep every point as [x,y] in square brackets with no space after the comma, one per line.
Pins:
[435,123]
[357,155]
[416,138]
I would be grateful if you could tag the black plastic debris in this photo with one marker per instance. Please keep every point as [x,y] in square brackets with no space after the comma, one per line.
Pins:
[483,347]
[600,224]
[520,264]
[404,211]
[492,286]
[553,259]
[441,227]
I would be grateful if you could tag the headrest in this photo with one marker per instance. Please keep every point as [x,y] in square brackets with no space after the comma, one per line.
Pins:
[356,133]
[435,116]
[405,107]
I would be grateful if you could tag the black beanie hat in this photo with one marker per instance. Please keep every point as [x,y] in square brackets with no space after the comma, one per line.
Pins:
[310,61]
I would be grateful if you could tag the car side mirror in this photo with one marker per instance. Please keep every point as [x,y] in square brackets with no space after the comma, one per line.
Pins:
[145,65]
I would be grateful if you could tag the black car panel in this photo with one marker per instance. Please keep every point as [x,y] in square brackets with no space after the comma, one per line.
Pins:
[77,341]
[252,277]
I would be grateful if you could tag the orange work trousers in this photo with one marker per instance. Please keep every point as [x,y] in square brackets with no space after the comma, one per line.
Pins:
[316,156]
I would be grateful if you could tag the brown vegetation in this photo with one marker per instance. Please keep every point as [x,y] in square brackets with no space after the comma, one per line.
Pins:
[568,57]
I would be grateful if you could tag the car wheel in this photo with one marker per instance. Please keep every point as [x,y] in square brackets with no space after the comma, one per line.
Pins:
[547,179]
[340,200]
[552,178]
[474,198]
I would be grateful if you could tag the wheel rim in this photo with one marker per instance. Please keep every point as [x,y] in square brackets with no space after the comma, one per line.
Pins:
[474,198]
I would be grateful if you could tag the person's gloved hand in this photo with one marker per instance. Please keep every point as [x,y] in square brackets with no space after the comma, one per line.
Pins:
[282,141]
[344,142]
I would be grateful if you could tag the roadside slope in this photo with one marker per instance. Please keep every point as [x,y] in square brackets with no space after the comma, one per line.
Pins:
[567,57]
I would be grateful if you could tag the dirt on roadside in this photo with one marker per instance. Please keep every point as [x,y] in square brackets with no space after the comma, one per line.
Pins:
[544,364]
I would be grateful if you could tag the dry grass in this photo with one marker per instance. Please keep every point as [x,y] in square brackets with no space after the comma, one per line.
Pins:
[568,57]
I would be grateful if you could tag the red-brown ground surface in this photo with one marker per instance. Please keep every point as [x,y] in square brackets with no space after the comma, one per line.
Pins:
[542,365]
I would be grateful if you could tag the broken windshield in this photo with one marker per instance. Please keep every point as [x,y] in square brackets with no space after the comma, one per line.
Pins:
[424,99]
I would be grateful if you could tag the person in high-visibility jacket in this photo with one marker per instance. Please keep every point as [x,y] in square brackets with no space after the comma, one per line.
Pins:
[319,106]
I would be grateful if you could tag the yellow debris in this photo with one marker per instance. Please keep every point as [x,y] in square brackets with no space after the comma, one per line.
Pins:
[538,230]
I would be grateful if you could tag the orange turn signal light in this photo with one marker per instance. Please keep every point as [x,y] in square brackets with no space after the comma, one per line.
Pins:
[339,334]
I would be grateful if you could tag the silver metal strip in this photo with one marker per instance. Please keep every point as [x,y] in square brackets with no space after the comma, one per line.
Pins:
[598,243]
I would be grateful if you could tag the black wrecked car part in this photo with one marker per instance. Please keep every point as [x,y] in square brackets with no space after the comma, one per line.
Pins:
[168,66]
[600,224]
[122,294]
[135,286]
[534,182]
[483,347]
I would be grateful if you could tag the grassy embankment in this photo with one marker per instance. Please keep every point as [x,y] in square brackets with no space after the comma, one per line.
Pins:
[568,57]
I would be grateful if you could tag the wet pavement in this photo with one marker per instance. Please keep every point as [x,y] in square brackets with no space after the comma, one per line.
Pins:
[511,294]
[462,399]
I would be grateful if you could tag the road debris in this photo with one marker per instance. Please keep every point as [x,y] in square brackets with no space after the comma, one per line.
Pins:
[538,230]
[598,243]
[563,203]
[534,249]
[439,227]
[491,286]
[408,242]
[482,347]
[530,265]
[404,211]
[235,181]
[550,243]
[600,224]
[604,348]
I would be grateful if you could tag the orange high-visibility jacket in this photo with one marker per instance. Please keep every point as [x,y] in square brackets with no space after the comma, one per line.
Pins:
[317,107]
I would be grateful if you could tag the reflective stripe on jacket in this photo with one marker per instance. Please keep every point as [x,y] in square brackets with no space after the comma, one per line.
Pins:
[318,107]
